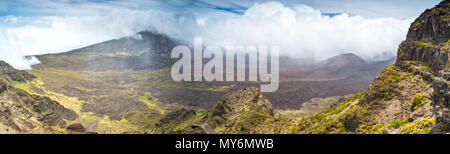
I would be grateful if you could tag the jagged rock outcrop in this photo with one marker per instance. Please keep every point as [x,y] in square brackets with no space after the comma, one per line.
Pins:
[245,111]
[10,74]
[24,112]
[246,101]
[76,128]
[428,38]
[432,25]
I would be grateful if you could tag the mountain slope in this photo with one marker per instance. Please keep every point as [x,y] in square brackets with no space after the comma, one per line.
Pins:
[340,66]
[145,50]
[10,75]
[23,112]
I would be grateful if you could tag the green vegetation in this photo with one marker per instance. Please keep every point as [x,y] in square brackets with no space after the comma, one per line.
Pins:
[446,46]
[420,43]
[419,100]
[150,101]
[417,24]
[144,121]
[332,120]
[425,66]
[445,102]
[87,92]
[396,123]
[374,129]
[421,126]
[385,86]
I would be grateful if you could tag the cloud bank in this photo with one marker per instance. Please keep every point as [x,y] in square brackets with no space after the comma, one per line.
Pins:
[303,32]
[299,30]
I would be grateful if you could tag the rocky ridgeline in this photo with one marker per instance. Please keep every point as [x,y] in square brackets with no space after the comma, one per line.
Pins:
[233,105]
[428,40]
[10,74]
[245,111]
[427,44]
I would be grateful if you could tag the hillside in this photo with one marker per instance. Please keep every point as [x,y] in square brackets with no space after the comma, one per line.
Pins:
[408,97]
[21,112]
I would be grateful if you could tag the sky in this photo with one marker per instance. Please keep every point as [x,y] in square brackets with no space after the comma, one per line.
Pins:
[314,29]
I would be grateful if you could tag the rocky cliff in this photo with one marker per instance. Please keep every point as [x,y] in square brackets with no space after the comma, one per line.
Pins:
[8,74]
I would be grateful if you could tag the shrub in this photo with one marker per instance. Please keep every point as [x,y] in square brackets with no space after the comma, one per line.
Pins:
[422,126]
[396,123]
[419,100]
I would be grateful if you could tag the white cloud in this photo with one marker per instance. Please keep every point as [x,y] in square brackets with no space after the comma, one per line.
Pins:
[300,31]
[303,32]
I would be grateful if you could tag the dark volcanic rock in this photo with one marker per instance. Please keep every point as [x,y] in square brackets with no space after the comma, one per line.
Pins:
[428,38]
[76,127]
[9,74]
[432,25]
[23,111]
[435,56]
[177,115]
[199,128]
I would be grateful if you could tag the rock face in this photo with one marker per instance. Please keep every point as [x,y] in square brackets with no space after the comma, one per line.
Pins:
[432,25]
[22,111]
[76,127]
[428,38]
[9,74]
[428,42]
[244,111]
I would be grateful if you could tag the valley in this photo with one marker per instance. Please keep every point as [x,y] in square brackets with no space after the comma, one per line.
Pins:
[114,91]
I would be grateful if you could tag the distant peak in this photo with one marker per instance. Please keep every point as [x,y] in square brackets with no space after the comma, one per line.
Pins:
[344,59]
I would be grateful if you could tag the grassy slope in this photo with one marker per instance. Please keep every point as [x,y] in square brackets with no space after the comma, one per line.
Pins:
[396,102]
